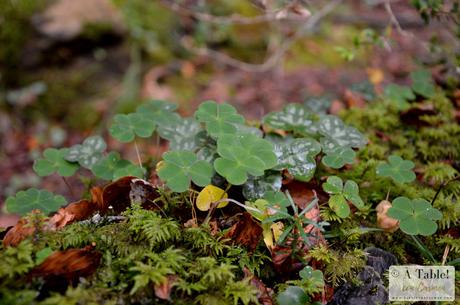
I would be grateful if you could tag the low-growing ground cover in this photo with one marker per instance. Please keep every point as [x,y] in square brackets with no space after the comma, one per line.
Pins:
[289,210]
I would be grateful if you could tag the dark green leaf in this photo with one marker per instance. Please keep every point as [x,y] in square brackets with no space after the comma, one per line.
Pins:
[54,162]
[25,201]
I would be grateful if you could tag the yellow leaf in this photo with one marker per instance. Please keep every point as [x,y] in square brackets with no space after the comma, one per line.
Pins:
[268,235]
[277,229]
[159,166]
[375,75]
[208,195]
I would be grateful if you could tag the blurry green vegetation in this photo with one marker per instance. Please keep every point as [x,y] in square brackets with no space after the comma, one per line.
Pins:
[14,30]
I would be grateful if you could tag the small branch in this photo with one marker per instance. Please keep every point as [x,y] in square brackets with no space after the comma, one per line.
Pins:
[274,59]
[442,186]
[393,18]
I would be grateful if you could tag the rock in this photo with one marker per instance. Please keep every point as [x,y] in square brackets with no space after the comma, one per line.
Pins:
[380,260]
[371,290]
[65,19]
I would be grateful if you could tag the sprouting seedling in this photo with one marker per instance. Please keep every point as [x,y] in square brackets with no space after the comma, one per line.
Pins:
[180,167]
[112,167]
[220,119]
[88,153]
[398,169]
[336,134]
[298,157]
[25,201]
[341,194]
[338,157]
[415,216]
[295,118]
[243,155]
[54,161]
[294,223]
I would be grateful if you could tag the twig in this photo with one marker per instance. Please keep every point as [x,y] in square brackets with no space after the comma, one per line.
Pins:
[446,253]
[442,186]
[138,155]
[232,19]
[274,59]
[393,18]
[68,186]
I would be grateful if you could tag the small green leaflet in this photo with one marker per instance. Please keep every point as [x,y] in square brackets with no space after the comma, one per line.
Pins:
[415,216]
[220,119]
[256,187]
[88,153]
[43,254]
[398,169]
[292,295]
[399,96]
[54,161]
[422,83]
[181,134]
[293,117]
[113,167]
[241,155]
[126,127]
[159,112]
[338,157]
[25,201]
[298,157]
[180,167]
[335,133]
[340,194]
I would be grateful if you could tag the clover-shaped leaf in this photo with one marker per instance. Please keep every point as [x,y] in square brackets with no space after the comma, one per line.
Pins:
[398,169]
[88,153]
[31,199]
[256,187]
[181,134]
[219,119]
[338,157]
[113,167]
[318,104]
[54,161]
[298,157]
[159,112]
[315,277]
[422,83]
[241,155]
[293,117]
[340,194]
[399,95]
[293,295]
[415,216]
[180,167]
[277,200]
[126,126]
[337,134]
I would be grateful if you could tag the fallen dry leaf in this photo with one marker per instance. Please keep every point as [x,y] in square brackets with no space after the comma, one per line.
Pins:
[163,291]
[246,232]
[384,221]
[68,265]
[75,211]
[264,294]
[115,195]
[19,232]
[353,99]
[144,193]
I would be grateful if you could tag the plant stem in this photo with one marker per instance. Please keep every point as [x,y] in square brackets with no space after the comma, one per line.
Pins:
[137,153]
[68,186]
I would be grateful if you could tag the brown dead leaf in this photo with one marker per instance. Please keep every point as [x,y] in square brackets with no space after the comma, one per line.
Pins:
[302,193]
[264,294]
[246,232]
[75,211]
[96,197]
[353,99]
[19,232]
[144,193]
[163,291]
[384,221]
[68,265]
[116,195]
